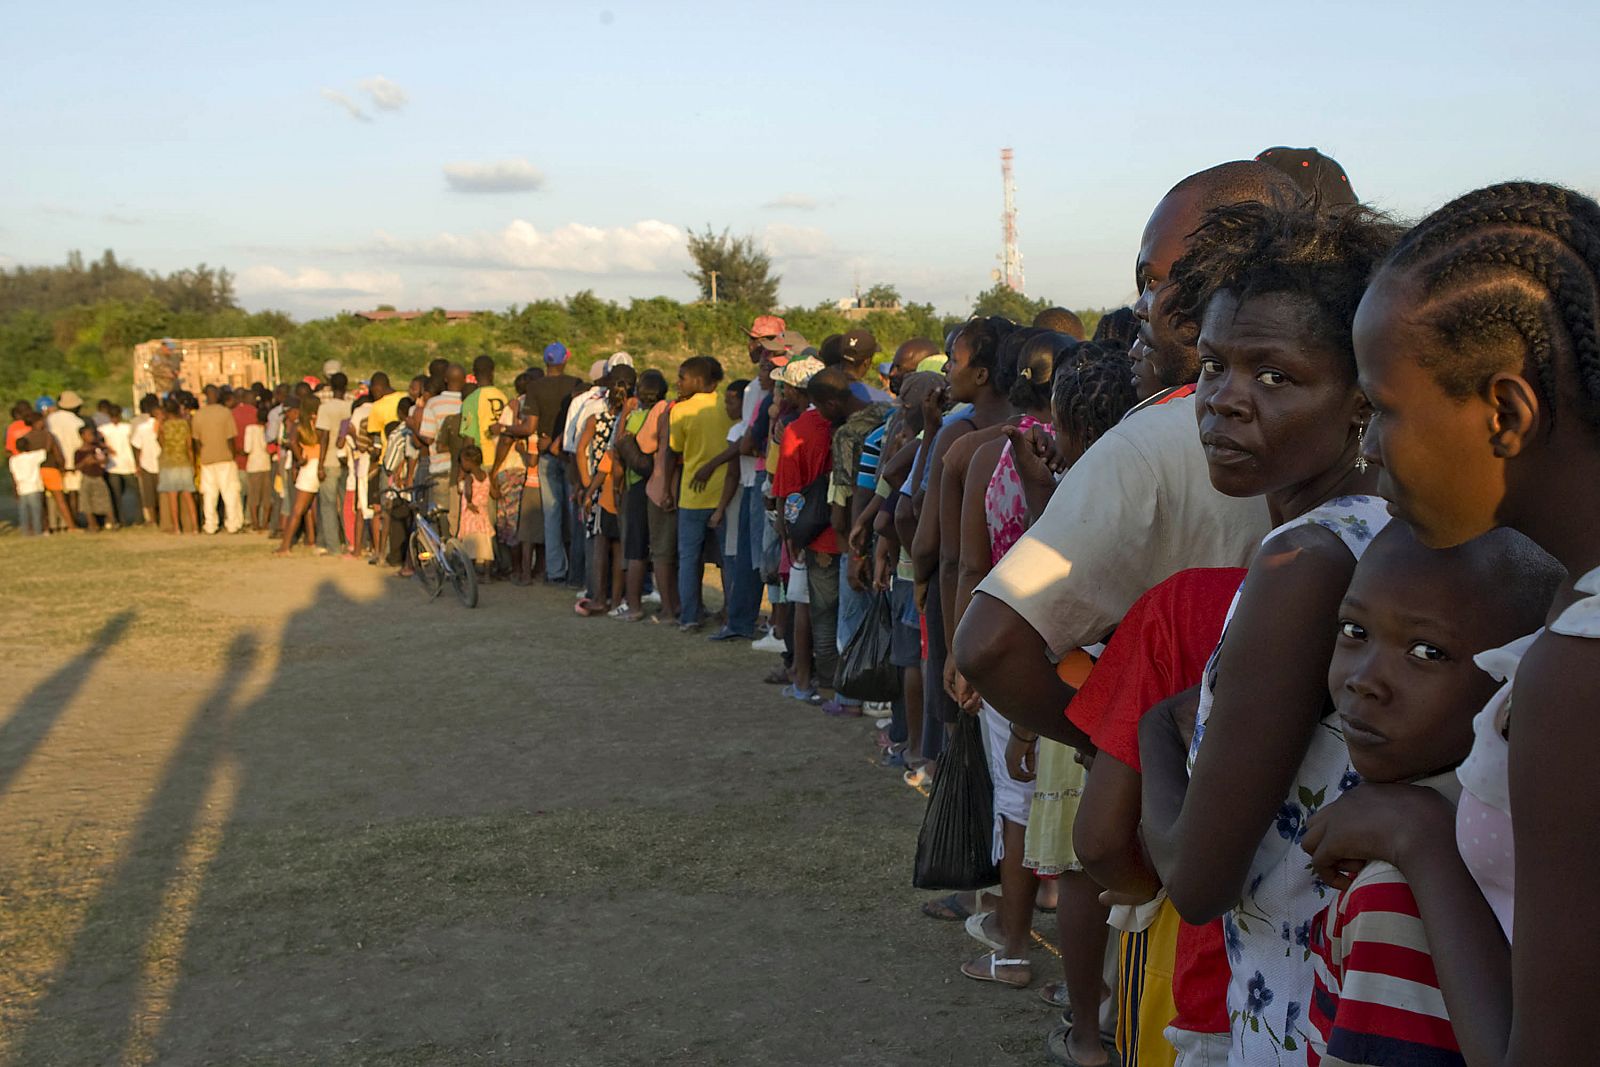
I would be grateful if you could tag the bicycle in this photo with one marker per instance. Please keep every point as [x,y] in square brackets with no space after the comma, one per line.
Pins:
[434,560]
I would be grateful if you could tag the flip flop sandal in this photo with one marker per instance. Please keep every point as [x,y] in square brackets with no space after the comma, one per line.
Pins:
[1057,1052]
[1055,995]
[974,925]
[581,607]
[946,909]
[991,973]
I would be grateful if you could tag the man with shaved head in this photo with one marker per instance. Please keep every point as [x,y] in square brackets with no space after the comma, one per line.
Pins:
[1134,510]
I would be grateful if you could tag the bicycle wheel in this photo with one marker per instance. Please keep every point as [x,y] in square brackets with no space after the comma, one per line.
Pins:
[426,564]
[463,575]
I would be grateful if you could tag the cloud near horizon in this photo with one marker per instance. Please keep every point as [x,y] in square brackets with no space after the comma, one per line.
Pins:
[317,284]
[505,176]
[646,247]
[792,202]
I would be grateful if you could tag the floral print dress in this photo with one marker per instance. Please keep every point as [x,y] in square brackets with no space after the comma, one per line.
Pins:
[1268,933]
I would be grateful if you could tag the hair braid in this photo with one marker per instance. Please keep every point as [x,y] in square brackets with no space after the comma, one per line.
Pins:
[1093,390]
[1483,260]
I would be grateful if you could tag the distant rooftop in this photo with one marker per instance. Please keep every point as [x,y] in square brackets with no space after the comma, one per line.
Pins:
[406,316]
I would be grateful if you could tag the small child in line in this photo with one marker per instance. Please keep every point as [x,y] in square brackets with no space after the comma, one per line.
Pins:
[27,476]
[94,495]
[476,532]
[1406,689]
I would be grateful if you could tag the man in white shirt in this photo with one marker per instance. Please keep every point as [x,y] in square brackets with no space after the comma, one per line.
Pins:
[64,423]
[144,442]
[434,413]
[122,469]
[333,414]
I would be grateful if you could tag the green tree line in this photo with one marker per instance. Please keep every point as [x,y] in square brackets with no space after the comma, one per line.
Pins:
[75,325]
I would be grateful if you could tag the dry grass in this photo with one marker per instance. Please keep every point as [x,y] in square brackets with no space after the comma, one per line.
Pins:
[255,812]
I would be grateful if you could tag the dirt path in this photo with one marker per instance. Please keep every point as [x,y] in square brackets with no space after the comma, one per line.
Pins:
[263,812]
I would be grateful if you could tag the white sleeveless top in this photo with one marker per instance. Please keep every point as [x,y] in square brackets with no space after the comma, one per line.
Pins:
[1483,819]
[1268,933]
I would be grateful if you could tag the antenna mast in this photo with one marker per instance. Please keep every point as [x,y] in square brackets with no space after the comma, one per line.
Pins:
[1010,257]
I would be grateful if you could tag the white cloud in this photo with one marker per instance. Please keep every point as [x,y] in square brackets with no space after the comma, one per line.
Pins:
[333,96]
[646,247]
[506,176]
[318,284]
[784,241]
[792,202]
[385,94]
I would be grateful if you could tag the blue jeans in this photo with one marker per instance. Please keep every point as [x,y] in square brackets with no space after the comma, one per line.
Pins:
[744,584]
[553,499]
[693,533]
[578,558]
[30,513]
[330,517]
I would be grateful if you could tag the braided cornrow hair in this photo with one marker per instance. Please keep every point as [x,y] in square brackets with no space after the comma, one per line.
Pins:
[1093,389]
[1510,276]
[1254,249]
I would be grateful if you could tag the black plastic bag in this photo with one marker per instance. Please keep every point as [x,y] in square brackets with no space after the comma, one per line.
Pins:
[955,849]
[865,672]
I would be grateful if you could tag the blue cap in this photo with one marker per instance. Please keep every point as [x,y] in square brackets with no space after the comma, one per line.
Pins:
[555,352]
[44,402]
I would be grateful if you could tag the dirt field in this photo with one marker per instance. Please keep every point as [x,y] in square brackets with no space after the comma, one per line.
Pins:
[263,812]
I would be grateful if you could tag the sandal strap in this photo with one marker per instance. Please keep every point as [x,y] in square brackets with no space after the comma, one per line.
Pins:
[995,962]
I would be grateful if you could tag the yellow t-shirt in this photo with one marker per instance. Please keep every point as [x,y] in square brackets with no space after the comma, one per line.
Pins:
[699,430]
[383,413]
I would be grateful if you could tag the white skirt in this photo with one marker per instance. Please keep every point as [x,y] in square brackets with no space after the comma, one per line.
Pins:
[308,480]
[1012,799]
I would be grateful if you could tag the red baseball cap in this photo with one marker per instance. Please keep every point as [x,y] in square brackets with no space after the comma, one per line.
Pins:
[766,326]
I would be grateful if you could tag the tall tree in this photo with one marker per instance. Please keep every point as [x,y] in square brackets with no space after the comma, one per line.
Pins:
[881,295]
[743,272]
[1007,302]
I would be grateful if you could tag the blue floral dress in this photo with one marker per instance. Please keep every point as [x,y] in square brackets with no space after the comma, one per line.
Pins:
[1268,933]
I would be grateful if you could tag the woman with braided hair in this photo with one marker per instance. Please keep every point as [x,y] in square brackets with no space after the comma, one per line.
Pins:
[1477,345]
[1224,802]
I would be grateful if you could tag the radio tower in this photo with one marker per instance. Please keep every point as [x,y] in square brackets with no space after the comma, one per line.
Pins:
[1010,258]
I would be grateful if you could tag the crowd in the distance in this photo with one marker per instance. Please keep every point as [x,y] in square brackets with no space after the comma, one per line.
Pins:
[1242,591]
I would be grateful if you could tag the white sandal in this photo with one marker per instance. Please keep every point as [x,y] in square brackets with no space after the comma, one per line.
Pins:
[974,925]
[995,963]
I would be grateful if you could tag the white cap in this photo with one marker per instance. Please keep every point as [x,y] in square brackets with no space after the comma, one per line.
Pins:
[799,372]
[597,370]
[332,367]
[620,359]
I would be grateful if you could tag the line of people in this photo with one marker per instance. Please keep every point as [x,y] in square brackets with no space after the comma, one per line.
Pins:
[1243,591]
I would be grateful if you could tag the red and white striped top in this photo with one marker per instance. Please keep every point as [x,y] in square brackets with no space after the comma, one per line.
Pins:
[1376,996]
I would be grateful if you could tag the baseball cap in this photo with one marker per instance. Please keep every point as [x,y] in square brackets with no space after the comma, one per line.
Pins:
[800,372]
[619,359]
[555,353]
[69,399]
[766,326]
[1317,175]
[859,346]
[777,359]
[597,369]
[934,363]
[789,342]
[44,403]
[331,367]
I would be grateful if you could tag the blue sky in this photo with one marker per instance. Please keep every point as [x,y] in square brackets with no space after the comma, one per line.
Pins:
[306,145]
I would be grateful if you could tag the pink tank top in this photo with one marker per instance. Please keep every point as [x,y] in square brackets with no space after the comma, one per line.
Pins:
[1004,506]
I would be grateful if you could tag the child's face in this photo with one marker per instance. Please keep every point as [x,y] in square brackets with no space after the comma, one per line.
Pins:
[1402,676]
[733,403]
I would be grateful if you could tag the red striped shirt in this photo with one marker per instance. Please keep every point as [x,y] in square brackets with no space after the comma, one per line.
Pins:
[1376,997]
